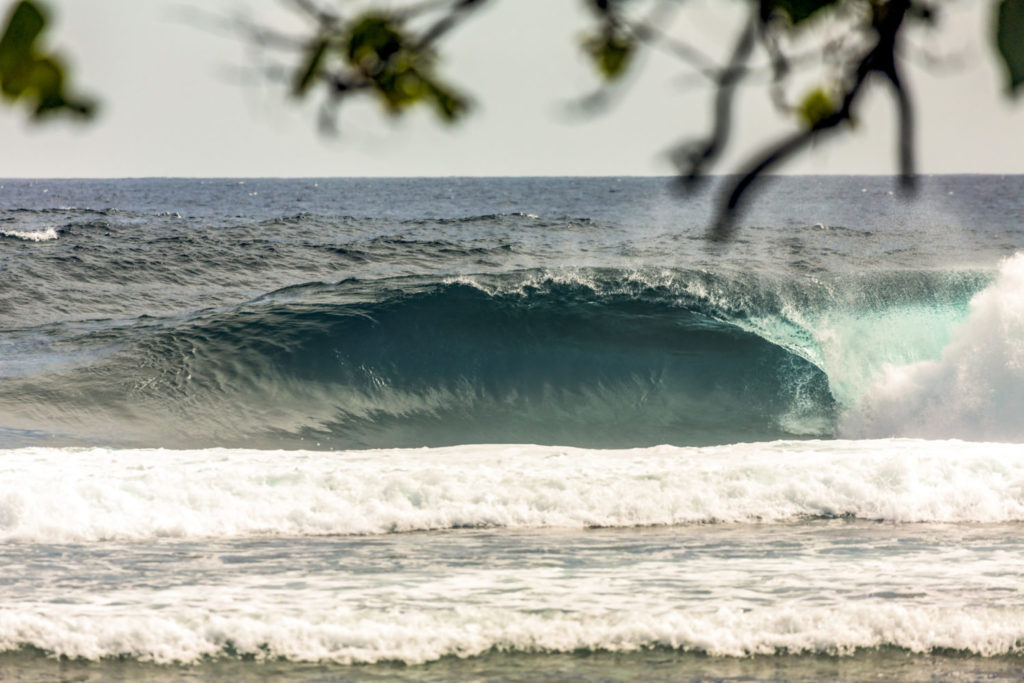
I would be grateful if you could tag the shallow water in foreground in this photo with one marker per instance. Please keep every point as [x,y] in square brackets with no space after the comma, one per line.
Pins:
[876,591]
[597,667]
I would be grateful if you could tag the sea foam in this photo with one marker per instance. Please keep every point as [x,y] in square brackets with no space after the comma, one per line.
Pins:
[348,636]
[975,390]
[74,495]
[43,235]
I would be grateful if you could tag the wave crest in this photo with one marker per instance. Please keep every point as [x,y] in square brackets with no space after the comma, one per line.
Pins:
[42,235]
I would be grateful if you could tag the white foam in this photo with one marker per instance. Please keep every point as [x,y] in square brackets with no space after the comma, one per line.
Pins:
[343,635]
[92,494]
[43,235]
[974,391]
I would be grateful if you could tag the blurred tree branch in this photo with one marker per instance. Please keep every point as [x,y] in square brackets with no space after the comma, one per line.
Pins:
[391,54]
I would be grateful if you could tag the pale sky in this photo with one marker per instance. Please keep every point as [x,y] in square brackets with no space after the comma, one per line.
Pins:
[173,104]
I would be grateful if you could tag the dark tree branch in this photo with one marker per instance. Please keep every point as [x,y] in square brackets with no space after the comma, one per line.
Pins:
[648,31]
[321,16]
[692,158]
[881,59]
[905,111]
[455,15]
[390,53]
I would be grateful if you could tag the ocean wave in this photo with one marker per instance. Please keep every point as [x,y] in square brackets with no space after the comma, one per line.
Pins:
[41,235]
[347,636]
[82,495]
[587,357]
[410,361]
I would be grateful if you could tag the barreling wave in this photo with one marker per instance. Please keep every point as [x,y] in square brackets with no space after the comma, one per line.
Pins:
[411,362]
[588,357]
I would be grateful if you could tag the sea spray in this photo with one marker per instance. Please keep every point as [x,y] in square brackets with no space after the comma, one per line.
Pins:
[975,390]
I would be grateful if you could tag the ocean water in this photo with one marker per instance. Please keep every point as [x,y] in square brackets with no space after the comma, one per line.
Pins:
[510,429]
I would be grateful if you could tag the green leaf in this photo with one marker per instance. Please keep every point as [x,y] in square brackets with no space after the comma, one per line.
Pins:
[47,85]
[798,11]
[27,75]
[1010,41]
[400,71]
[448,104]
[817,105]
[373,40]
[611,51]
[24,25]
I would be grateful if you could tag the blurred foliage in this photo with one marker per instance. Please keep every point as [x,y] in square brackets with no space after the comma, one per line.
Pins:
[1010,41]
[610,50]
[796,11]
[379,53]
[816,106]
[401,72]
[29,74]
[373,52]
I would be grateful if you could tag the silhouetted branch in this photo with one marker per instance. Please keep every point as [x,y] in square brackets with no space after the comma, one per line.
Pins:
[323,17]
[391,53]
[905,111]
[880,58]
[692,158]
[457,13]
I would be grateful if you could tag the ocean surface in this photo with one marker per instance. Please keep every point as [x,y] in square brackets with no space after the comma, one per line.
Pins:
[510,429]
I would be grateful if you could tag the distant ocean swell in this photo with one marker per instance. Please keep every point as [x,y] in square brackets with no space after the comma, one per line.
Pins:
[586,357]
[84,495]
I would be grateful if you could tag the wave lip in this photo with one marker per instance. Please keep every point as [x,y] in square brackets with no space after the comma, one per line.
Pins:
[80,495]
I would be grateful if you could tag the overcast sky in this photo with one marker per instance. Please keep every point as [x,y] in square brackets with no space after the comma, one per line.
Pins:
[174,103]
